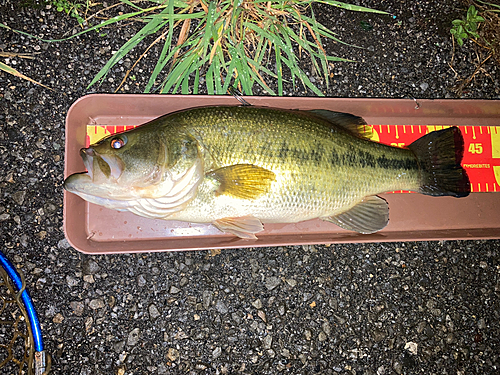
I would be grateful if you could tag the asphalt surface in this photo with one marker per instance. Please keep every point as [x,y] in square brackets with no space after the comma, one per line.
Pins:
[391,308]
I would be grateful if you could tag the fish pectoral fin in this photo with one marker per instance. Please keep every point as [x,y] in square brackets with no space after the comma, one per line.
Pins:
[353,124]
[245,181]
[243,227]
[368,216]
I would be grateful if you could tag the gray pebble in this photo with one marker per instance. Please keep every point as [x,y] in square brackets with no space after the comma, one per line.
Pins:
[207,298]
[97,303]
[333,303]
[236,316]
[308,334]
[257,304]
[378,335]
[303,358]
[272,282]
[161,369]
[481,324]
[141,280]
[63,244]
[281,309]
[18,197]
[40,283]
[133,337]
[221,307]
[398,367]
[90,267]
[77,307]
[326,328]
[174,289]
[153,312]
[267,341]
[24,240]
[424,86]
[71,281]
[285,353]
[201,366]
[184,280]
[307,296]
[119,346]
[217,352]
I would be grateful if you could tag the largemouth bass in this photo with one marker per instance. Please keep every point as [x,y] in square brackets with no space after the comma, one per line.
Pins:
[240,167]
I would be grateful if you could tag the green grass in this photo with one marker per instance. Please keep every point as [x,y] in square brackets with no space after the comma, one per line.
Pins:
[227,43]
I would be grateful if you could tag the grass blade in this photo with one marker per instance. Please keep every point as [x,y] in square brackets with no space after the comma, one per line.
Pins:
[8,69]
[209,79]
[151,27]
[355,8]
[196,82]
[279,69]
[242,68]
[217,79]
[163,60]
[229,75]
[178,72]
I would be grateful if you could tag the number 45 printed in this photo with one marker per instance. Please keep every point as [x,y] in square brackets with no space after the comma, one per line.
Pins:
[476,148]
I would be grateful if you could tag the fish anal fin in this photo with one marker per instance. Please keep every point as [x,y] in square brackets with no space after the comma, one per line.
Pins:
[245,181]
[353,124]
[368,216]
[243,227]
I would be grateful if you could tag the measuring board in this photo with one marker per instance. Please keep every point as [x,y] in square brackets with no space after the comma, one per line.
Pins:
[481,154]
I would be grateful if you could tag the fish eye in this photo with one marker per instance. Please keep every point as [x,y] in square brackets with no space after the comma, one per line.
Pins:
[117,142]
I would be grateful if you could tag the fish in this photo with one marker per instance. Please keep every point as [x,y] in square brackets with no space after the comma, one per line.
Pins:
[240,167]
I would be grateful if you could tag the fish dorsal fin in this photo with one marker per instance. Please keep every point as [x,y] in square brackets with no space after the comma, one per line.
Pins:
[245,181]
[368,216]
[243,227]
[353,124]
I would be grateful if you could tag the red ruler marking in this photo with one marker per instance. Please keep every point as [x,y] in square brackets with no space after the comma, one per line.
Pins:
[481,151]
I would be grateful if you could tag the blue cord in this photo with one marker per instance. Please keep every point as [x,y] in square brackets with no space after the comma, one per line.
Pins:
[28,304]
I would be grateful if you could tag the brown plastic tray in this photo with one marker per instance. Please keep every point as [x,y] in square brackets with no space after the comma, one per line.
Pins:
[94,229]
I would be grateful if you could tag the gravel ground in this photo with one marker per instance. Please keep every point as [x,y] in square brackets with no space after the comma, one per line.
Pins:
[395,308]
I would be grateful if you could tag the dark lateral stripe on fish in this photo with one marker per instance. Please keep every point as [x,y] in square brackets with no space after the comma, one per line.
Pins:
[303,155]
[366,160]
[351,158]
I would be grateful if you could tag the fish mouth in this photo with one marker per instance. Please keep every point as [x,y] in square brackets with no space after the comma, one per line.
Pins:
[81,184]
[109,165]
[75,182]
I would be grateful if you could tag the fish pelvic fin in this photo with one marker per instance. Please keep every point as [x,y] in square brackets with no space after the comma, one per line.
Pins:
[368,216]
[245,181]
[439,155]
[353,124]
[244,227]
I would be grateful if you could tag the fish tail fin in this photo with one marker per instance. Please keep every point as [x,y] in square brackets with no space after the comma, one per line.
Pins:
[439,155]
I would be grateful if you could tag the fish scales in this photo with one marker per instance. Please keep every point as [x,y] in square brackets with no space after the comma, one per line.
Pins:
[239,167]
[321,170]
